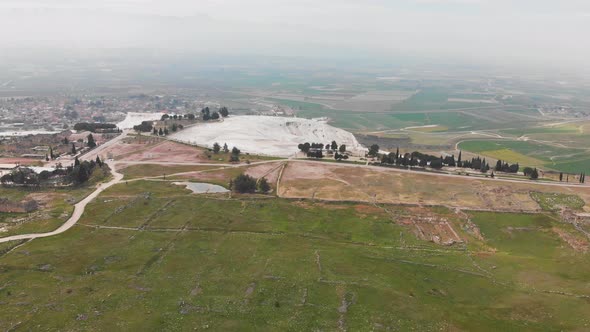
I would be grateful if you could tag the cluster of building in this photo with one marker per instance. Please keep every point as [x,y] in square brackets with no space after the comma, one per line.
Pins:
[57,113]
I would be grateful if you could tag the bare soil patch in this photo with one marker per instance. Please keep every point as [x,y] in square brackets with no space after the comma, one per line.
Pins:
[269,171]
[576,242]
[169,151]
[337,182]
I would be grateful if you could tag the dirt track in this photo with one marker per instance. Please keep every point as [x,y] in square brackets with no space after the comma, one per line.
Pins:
[80,206]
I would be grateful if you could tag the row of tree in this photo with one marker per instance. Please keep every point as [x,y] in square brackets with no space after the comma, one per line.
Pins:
[421,159]
[94,127]
[316,150]
[506,168]
[306,147]
[235,152]
[206,115]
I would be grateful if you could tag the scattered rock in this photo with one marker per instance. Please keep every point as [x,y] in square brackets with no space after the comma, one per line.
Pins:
[45,268]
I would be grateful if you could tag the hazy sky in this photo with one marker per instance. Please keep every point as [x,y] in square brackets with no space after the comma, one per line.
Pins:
[548,32]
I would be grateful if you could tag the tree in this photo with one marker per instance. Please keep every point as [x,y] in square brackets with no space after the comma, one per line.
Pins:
[66,141]
[482,168]
[155,132]
[459,161]
[534,174]
[235,155]
[224,112]
[165,117]
[73,149]
[498,167]
[161,132]
[342,148]
[98,161]
[51,155]
[225,148]
[304,147]
[263,186]
[334,146]
[165,131]
[234,158]
[144,127]
[244,184]
[174,127]
[560,176]
[214,116]
[527,171]
[373,150]
[437,163]
[216,148]
[206,114]
[91,143]
[76,162]
[191,116]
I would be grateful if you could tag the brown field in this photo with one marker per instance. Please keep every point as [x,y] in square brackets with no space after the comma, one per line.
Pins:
[153,170]
[168,151]
[220,176]
[341,183]
[21,161]
[269,171]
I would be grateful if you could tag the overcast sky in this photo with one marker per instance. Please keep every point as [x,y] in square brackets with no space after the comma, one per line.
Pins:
[546,32]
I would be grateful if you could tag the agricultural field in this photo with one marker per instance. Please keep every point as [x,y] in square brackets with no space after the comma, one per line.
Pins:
[555,202]
[154,170]
[532,153]
[148,255]
[335,182]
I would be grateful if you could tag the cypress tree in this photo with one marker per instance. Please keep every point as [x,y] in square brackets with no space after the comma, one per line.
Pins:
[498,165]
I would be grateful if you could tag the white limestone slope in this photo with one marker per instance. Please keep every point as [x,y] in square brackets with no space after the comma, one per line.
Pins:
[134,119]
[266,135]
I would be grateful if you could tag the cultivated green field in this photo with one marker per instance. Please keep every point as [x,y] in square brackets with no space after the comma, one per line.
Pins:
[528,153]
[164,259]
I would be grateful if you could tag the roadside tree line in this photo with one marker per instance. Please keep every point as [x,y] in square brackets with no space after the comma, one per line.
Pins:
[235,152]
[316,150]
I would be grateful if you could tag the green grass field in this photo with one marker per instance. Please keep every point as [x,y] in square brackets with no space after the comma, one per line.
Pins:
[58,204]
[554,202]
[188,262]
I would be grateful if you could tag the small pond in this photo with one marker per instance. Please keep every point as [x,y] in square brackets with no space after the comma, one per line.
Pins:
[202,188]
